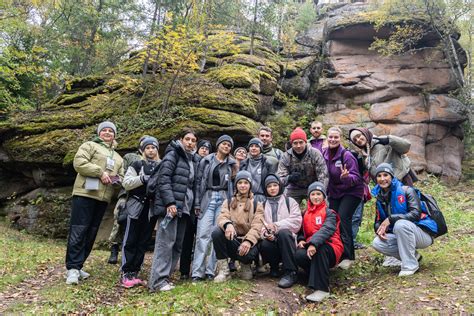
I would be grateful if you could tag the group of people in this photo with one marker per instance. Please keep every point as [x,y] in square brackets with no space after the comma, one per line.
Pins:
[215,211]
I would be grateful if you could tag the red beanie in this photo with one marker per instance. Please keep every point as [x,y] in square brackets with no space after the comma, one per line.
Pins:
[298,133]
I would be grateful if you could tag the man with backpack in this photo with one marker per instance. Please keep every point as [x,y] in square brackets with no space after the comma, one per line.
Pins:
[400,224]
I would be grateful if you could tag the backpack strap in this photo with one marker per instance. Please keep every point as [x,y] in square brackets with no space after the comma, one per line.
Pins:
[287,201]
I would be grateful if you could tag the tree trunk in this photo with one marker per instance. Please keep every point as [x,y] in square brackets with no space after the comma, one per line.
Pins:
[90,51]
[152,32]
[254,26]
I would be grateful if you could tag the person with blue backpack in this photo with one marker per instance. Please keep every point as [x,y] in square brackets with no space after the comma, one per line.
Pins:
[400,224]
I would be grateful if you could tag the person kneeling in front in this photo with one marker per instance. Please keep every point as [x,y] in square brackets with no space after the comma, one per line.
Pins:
[319,243]
[238,230]
[400,225]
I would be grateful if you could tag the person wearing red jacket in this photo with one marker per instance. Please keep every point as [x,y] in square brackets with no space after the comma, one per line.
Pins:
[319,242]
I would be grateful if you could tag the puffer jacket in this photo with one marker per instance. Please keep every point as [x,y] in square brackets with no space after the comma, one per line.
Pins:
[173,179]
[312,167]
[90,161]
[247,223]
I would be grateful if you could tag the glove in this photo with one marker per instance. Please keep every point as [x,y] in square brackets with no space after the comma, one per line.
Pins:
[294,177]
[382,140]
[144,178]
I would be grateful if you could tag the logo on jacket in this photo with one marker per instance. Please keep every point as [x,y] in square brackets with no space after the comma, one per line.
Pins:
[401,198]
[318,220]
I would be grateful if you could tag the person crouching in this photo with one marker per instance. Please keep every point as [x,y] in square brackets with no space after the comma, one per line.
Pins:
[238,229]
[282,223]
[319,242]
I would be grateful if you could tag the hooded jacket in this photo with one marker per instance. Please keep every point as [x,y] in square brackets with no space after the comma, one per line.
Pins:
[321,225]
[393,153]
[173,178]
[338,187]
[247,223]
[90,161]
[266,168]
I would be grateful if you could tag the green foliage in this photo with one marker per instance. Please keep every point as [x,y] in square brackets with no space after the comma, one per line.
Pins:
[402,39]
[306,16]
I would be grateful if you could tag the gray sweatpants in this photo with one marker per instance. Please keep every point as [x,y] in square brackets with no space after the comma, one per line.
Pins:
[168,246]
[402,244]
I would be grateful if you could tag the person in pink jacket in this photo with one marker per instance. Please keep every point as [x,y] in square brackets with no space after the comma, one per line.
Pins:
[282,221]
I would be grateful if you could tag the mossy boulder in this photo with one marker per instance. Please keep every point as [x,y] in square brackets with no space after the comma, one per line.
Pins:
[269,66]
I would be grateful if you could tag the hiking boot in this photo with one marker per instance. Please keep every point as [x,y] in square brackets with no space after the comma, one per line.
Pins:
[391,262]
[345,264]
[288,280]
[113,259]
[404,273]
[72,276]
[246,272]
[83,274]
[224,271]
[232,267]
[317,296]
[128,280]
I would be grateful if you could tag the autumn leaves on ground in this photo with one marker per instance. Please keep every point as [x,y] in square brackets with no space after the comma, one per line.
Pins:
[32,278]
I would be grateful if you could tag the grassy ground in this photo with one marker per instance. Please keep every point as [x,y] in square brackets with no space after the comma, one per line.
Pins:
[32,278]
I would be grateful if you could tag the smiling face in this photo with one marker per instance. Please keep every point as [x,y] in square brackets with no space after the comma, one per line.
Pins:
[273,189]
[384,180]
[265,137]
[107,135]
[243,186]
[240,154]
[316,129]
[334,139]
[316,197]
[359,140]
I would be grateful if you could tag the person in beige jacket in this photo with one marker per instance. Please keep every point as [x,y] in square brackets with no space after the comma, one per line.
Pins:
[238,229]
[99,168]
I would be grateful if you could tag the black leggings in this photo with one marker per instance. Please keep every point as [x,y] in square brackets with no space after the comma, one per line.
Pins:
[345,207]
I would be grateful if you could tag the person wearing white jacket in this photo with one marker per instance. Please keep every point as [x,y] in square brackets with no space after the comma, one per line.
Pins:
[282,221]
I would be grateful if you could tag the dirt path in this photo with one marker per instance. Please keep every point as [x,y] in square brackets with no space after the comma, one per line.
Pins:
[28,291]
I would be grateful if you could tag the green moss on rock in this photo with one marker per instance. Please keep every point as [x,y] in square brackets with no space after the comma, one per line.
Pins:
[270,66]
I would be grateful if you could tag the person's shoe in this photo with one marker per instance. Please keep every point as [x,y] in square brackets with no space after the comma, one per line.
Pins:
[261,268]
[209,277]
[246,272]
[391,262]
[345,264]
[184,277]
[317,296]
[137,280]
[418,257]
[197,279]
[404,273]
[288,280]
[113,259]
[358,245]
[83,274]
[127,280]
[274,272]
[166,287]
[224,271]
[232,267]
[72,276]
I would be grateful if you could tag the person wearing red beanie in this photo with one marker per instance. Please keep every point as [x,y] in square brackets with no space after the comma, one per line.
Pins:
[300,166]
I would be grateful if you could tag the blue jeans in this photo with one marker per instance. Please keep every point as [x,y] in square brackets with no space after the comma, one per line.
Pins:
[203,247]
[357,219]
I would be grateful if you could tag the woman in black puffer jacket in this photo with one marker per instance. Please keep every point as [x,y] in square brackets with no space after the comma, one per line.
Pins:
[174,200]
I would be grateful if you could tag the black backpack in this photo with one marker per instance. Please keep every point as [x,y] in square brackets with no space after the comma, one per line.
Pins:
[430,207]
[360,160]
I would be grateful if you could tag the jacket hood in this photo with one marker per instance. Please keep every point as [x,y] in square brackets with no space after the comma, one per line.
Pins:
[314,208]
[365,131]
[320,137]
[99,140]
[178,147]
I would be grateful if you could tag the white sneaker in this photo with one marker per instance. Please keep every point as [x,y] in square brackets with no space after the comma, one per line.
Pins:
[391,262]
[404,273]
[83,274]
[166,287]
[72,276]
[345,264]
[317,296]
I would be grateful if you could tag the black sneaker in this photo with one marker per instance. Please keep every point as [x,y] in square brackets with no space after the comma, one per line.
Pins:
[209,277]
[184,277]
[288,280]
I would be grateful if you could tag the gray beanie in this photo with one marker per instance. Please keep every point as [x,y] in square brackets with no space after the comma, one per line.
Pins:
[256,141]
[225,138]
[317,186]
[149,141]
[106,124]
[243,174]
[384,167]
[272,178]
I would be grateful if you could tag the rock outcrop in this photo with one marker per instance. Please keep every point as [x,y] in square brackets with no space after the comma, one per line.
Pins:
[333,69]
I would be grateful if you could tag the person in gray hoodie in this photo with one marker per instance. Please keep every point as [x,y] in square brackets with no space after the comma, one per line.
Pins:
[214,185]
